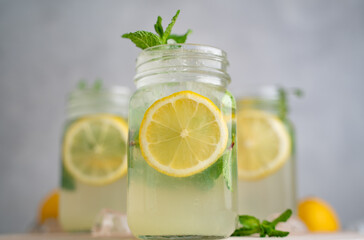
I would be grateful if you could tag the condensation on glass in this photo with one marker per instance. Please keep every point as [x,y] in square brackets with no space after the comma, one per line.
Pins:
[274,192]
[80,202]
[194,207]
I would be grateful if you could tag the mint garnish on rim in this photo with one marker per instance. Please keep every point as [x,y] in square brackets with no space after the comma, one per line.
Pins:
[145,39]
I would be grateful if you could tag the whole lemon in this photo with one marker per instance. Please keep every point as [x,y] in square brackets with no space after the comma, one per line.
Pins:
[318,215]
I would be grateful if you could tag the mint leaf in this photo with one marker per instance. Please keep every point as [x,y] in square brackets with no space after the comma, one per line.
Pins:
[249,221]
[251,225]
[283,217]
[97,84]
[82,84]
[180,38]
[229,155]
[215,170]
[244,232]
[169,27]
[277,233]
[206,179]
[67,181]
[158,27]
[227,169]
[298,92]
[143,39]
[268,228]
[265,228]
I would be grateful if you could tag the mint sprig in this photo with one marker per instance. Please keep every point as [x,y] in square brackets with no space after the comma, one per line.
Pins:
[180,38]
[97,86]
[145,39]
[251,225]
[169,28]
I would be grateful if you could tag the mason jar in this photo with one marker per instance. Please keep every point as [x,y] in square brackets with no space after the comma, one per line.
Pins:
[182,156]
[94,162]
[266,152]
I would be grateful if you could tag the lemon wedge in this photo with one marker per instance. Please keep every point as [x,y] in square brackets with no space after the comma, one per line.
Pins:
[264,144]
[182,134]
[318,215]
[95,149]
[49,207]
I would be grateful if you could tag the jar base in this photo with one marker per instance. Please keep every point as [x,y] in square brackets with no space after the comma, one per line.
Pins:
[179,237]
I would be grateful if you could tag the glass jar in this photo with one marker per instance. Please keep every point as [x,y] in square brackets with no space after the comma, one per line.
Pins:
[266,152]
[202,202]
[94,162]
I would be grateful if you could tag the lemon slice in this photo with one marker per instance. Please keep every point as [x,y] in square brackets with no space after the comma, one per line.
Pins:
[264,144]
[182,134]
[95,149]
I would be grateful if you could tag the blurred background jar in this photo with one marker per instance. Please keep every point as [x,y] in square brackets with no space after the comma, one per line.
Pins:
[94,162]
[266,152]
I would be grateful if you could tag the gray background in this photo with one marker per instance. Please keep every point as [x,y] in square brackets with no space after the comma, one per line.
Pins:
[47,46]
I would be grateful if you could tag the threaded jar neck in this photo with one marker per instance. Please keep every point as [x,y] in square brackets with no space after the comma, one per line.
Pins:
[113,100]
[182,62]
[270,98]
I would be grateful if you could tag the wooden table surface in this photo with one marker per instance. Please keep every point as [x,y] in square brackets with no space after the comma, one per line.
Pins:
[335,236]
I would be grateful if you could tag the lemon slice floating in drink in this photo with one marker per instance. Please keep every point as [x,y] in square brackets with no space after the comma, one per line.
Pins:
[95,149]
[264,144]
[182,134]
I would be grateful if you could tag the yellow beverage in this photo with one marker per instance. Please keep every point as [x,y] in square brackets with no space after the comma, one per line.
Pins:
[182,154]
[94,162]
[79,208]
[189,207]
[267,181]
[273,194]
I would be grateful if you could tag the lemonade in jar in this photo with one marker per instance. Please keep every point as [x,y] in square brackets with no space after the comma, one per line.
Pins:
[182,168]
[94,156]
[266,163]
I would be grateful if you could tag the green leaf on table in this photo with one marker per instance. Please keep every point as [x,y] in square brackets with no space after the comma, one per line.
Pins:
[251,225]
[277,233]
[283,217]
[244,232]
[249,221]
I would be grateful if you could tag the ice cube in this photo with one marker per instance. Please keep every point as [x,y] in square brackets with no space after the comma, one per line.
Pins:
[111,223]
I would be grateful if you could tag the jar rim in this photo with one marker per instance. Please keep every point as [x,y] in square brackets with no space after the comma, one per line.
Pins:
[190,46]
[202,60]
